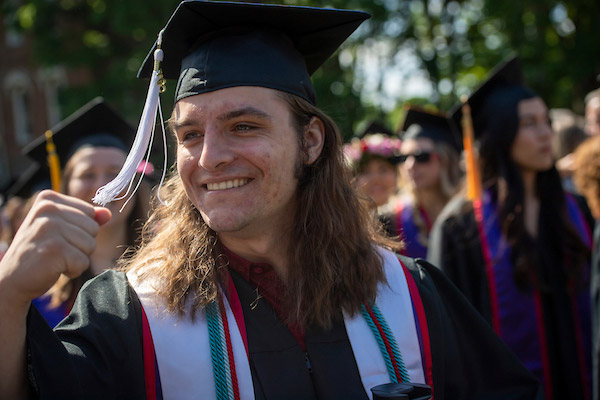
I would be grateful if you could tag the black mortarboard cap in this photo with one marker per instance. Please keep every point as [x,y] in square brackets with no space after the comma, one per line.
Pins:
[96,124]
[211,45]
[420,123]
[33,179]
[375,126]
[502,79]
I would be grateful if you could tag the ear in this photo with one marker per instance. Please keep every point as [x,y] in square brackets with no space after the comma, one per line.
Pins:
[314,138]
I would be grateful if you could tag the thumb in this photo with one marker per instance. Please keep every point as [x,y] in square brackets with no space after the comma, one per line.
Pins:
[102,215]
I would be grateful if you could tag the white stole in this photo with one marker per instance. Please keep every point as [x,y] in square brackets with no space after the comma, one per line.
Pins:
[183,351]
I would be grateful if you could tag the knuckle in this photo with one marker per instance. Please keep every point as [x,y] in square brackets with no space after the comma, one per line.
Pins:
[77,262]
[46,194]
[46,206]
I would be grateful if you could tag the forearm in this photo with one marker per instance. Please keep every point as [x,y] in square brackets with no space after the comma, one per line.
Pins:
[13,353]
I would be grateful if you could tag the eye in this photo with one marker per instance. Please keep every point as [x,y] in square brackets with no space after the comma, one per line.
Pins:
[527,122]
[190,135]
[84,176]
[243,127]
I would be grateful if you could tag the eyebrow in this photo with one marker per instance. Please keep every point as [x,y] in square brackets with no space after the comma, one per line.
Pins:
[250,111]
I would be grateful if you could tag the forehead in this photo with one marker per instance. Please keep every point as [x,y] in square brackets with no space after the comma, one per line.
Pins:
[413,144]
[593,104]
[532,106]
[98,156]
[213,104]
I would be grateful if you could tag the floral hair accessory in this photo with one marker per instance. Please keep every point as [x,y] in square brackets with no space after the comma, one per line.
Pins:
[377,145]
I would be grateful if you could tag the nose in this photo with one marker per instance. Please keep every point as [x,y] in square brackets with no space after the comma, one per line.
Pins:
[410,162]
[545,131]
[215,150]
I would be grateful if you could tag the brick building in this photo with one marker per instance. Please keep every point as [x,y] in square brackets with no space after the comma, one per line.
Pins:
[28,100]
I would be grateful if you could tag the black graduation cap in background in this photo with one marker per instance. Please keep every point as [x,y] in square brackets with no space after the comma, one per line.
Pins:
[96,124]
[506,75]
[420,123]
[375,126]
[33,179]
[211,45]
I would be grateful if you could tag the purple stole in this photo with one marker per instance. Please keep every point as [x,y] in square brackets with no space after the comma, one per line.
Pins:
[52,315]
[408,230]
[517,316]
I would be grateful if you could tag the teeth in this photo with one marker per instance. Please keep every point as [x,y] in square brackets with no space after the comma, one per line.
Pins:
[227,184]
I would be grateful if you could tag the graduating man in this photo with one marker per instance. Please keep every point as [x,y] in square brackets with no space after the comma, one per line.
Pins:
[262,276]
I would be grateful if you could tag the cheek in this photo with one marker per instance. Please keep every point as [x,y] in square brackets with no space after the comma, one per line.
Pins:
[185,163]
[389,178]
[519,151]
[76,187]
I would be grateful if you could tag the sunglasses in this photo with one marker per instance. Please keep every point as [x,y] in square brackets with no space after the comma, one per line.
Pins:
[421,157]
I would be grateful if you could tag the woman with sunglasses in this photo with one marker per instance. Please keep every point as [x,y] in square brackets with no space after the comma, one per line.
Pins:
[520,251]
[429,176]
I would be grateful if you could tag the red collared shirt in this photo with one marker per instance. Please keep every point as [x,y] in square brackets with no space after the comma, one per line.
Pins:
[269,287]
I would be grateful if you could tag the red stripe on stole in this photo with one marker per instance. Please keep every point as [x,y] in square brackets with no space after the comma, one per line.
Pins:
[543,346]
[236,309]
[149,361]
[489,269]
[580,351]
[422,320]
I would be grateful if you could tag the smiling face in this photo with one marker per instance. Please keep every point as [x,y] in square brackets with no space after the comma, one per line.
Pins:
[532,148]
[377,179]
[238,157]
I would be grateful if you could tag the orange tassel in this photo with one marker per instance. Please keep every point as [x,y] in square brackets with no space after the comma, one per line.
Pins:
[53,162]
[471,159]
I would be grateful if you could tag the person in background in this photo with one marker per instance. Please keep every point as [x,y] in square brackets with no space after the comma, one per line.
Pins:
[373,160]
[592,113]
[261,275]
[586,173]
[586,177]
[92,145]
[520,251]
[10,217]
[568,134]
[19,196]
[429,176]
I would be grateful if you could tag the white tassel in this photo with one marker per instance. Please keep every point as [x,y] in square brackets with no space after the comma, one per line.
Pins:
[141,145]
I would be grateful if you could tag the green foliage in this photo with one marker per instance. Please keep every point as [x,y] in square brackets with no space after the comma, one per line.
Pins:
[455,42]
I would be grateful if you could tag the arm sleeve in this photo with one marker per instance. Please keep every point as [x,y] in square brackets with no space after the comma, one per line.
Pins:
[96,352]
[469,360]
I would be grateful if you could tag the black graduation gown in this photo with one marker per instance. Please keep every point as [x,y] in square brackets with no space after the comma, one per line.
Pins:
[96,352]
[455,247]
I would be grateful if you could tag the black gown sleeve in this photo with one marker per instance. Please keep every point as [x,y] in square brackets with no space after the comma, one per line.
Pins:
[469,360]
[455,248]
[96,352]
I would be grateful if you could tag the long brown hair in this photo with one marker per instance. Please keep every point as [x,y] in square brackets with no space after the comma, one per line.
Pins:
[334,264]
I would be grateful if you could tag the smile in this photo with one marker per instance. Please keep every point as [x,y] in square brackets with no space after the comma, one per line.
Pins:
[227,184]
